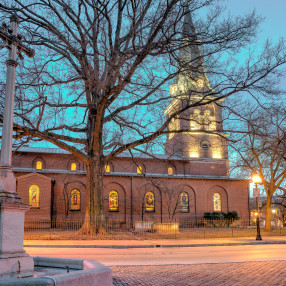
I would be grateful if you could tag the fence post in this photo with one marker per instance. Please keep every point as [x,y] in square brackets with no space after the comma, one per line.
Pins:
[204,228]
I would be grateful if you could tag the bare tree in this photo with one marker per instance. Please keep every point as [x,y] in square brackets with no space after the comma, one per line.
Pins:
[171,195]
[98,83]
[260,148]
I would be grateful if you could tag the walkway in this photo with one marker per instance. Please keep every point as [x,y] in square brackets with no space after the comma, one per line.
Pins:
[232,274]
[153,243]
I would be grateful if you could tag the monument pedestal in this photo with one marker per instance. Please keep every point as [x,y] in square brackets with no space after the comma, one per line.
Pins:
[13,258]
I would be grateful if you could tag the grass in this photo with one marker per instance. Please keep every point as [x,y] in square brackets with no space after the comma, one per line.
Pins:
[194,233]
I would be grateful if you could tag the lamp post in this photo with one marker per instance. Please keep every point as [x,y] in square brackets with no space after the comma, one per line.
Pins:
[257,180]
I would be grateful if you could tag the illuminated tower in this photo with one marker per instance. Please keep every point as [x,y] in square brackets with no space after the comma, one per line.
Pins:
[205,139]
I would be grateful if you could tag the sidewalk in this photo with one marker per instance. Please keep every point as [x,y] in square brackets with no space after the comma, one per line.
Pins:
[153,243]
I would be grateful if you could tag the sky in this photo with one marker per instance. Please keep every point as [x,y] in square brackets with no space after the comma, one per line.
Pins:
[274,24]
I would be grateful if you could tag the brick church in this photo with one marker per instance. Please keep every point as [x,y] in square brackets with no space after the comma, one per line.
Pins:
[191,178]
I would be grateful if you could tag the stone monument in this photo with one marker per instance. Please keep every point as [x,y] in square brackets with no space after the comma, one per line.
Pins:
[13,257]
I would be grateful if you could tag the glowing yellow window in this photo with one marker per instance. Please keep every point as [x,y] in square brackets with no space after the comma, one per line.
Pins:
[107,168]
[149,202]
[217,202]
[34,196]
[73,166]
[39,165]
[113,201]
[139,170]
[75,200]
[170,171]
[184,202]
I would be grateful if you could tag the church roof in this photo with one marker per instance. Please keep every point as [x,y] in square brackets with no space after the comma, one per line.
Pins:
[43,150]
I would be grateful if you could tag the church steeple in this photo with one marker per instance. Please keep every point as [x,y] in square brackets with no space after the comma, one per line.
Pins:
[192,74]
[203,140]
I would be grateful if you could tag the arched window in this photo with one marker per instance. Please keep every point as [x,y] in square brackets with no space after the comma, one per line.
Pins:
[73,166]
[173,126]
[107,168]
[217,202]
[34,196]
[139,170]
[149,202]
[184,202]
[75,200]
[209,121]
[39,165]
[196,120]
[170,171]
[113,201]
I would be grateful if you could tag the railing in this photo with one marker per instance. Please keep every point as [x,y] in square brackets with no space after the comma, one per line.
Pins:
[145,229]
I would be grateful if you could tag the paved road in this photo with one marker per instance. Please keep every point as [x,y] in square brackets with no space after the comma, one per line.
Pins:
[204,266]
[167,256]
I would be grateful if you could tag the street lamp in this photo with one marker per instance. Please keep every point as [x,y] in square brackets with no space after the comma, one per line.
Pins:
[257,180]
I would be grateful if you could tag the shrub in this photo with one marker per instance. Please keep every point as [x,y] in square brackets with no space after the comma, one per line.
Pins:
[221,218]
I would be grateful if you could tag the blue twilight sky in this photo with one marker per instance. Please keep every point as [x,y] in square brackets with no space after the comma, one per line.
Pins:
[274,24]
[274,12]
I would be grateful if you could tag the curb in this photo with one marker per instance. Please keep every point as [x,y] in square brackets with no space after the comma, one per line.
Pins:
[155,245]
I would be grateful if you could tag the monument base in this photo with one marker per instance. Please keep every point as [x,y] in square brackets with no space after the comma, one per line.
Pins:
[9,267]
[12,255]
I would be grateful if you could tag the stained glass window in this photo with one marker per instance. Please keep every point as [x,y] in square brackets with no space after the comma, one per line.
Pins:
[217,202]
[149,202]
[184,202]
[39,165]
[73,166]
[170,171]
[113,201]
[139,170]
[75,200]
[34,196]
[107,168]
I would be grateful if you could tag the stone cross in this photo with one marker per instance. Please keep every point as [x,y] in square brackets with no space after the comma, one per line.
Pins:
[12,210]
[12,41]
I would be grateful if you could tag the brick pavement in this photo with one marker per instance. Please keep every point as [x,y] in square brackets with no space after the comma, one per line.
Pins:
[234,274]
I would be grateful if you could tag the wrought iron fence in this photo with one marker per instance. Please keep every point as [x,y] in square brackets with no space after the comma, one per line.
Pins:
[145,229]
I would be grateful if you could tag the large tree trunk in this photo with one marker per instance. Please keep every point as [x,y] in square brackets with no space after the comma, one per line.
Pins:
[268,215]
[94,222]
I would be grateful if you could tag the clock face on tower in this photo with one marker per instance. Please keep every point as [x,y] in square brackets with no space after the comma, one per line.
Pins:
[200,83]
[173,89]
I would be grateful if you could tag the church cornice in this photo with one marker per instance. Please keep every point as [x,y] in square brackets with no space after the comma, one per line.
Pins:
[172,107]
